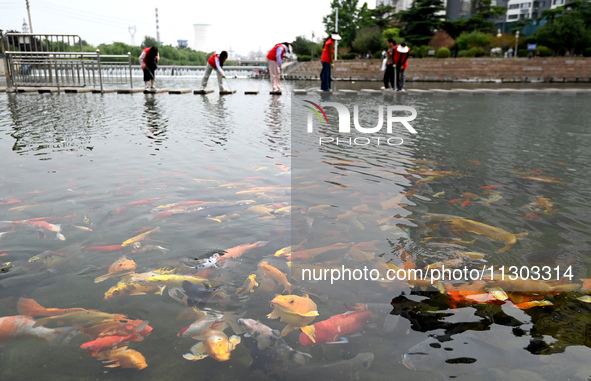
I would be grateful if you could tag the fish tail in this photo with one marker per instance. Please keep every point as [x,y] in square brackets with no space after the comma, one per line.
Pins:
[41,322]
[299,357]
[62,336]
[30,307]
[102,278]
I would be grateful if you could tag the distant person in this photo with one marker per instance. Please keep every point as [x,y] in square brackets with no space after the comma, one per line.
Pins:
[384,54]
[401,62]
[148,60]
[275,61]
[367,56]
[326,59]
[510,52]
[389,73]
[215,61]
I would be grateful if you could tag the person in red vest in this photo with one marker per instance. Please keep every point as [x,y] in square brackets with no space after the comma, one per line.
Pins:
[401,62]
[148,60]
[215,61]
[326,60]
[275,60]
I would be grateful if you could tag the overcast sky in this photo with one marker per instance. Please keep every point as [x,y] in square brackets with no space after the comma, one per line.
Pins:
[242,25]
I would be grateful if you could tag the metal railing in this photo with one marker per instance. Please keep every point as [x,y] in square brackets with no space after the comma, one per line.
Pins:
[59,69]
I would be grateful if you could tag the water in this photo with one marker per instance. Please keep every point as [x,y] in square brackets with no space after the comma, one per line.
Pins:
[84,159]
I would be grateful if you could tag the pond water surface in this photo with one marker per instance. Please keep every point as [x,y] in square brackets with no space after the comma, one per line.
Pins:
[204,174]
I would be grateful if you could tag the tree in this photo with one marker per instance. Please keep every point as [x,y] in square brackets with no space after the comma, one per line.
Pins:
[441,40]
[303,47]
[421,21]
[567,33]
[369,40]
[348,18]
[393,33]
[149,41]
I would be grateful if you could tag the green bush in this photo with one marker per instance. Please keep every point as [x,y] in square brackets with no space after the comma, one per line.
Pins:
[377,54]
[477,52]
[304,58]
[443,53]
[349,56]
[522,53]
[473,40]
[587,52]
[465,54]
[544,51]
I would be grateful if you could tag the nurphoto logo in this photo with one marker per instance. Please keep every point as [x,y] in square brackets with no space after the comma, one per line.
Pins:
[392,116]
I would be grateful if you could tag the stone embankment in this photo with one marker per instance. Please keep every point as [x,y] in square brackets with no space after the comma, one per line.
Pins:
[548,69]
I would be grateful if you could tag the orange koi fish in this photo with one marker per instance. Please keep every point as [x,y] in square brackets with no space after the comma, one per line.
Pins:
[332,329]
[31,308]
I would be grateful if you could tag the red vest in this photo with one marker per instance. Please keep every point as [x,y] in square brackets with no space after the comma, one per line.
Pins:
[326,56]
[211,60]
[400,57]
[147,50]
[273,52]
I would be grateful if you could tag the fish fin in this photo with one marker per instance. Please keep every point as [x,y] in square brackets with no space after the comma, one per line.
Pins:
[192,357]
[262,243]
[102,278]
[300,357]
[521,235]
[310,331]
[186,285]
[273,315]
[232,319]
[111,364]
[62,336]
[507,247]
[30,307]
[198,352]
[342,340]
[234,341]
[309,314]
[161,288]
[276,332]
[41,322]
[288,328]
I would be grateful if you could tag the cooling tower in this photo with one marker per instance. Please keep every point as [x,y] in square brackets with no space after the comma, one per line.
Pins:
[203,38]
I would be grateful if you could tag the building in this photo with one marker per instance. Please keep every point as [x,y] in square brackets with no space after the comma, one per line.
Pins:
[527,9]
[203,38]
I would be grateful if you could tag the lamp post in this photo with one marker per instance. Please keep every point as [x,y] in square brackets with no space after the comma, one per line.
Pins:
[516,43]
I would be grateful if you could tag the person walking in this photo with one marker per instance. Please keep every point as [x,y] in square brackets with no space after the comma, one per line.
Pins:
[148,60]
[401,62]
[215,61]
[326,60]
[275,59]
[389,73]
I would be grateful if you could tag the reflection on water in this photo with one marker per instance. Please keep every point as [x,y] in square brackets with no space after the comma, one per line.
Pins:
[487,182]
[231,189]
[155,123]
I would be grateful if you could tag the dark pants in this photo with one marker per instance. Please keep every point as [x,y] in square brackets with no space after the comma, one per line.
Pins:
[325,76]
[400,79]
[389,77]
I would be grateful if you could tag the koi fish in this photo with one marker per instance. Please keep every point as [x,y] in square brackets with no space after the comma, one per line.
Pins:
[207,262]
[42,226]
[439,194]
[296,311]
[275,274]
[216,344]
[269,338]
[12,327]
[140,237]
[492,186]
[31,308]
[491,232]
[113,341]
[138,288]
[104,248]
[146,201]
[332,329]
[80,318]
[123,357]
[466,202]
[249,284]
[120,267]
[238,251]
